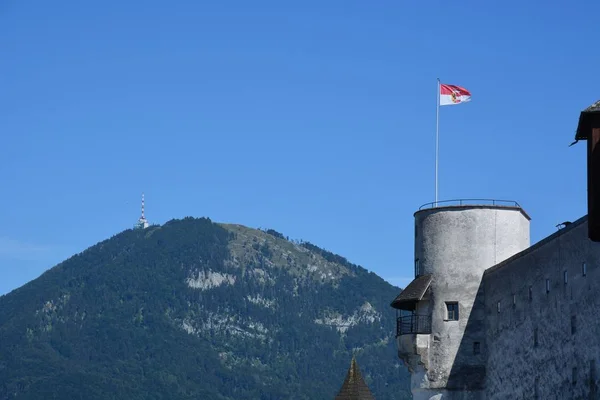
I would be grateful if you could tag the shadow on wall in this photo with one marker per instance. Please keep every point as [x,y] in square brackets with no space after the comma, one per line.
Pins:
[468,370]
[593,190]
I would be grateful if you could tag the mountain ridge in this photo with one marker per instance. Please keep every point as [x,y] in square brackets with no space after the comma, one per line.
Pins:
[192,308]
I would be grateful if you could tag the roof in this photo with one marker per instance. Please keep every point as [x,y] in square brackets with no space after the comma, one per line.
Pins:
[594,107]
[592,113]
[354,387]
[412,293]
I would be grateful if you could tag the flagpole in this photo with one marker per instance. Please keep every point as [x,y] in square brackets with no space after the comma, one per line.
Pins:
[437,138]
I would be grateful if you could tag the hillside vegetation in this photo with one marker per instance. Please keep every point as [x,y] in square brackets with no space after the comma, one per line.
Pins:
[198,310]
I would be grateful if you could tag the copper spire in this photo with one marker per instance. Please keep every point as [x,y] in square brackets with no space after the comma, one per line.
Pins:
[354,387]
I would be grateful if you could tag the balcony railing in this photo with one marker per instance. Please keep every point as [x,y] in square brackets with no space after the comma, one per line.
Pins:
[470,202]
[411,324]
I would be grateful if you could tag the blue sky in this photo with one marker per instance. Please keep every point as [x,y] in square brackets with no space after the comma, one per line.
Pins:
[313,118]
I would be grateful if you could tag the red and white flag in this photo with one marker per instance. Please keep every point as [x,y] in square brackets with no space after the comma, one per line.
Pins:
[452,94]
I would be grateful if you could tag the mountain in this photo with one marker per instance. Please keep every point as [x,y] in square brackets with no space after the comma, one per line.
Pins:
[198,310]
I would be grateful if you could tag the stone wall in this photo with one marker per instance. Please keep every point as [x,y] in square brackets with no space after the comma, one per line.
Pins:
[542,311]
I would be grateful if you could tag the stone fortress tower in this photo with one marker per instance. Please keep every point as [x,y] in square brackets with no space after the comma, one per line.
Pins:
[455,243]
[488,316]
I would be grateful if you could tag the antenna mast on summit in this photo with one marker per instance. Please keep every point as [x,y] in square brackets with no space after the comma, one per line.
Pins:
[143,206]
[142,223]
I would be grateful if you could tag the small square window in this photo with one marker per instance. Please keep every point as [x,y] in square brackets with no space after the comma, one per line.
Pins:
[584,269]
[452,311]
[565,277]
[547,285]
[476,347]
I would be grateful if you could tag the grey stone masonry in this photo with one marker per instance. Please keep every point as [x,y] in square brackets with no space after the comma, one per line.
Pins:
[528,322]
[455,245]
[543,321]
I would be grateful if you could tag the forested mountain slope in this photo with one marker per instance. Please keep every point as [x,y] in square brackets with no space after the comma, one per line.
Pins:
[198,310]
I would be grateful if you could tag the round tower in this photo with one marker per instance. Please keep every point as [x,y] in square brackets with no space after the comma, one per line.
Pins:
[441,335]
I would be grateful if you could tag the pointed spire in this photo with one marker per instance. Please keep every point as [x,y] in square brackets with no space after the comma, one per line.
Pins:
[354,387]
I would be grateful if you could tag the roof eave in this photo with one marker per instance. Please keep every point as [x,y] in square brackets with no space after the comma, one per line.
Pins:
[585,118]
[408,304]
[582,132]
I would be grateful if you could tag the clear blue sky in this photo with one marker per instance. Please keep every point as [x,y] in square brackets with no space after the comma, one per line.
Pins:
[315,118]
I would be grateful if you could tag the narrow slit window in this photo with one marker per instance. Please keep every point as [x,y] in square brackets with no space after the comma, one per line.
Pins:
[565,277]
[535,337]
[514,300]
[573,324]
[547,285]
[452,311]
[417,268]
[584,269]
[530,293]
[574,376]
[498,307]
[476,347]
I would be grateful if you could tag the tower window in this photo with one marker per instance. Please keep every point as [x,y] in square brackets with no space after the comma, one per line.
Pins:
[530,293]
[574,377]
[535,337]
[573,324]
[565,277]
[514,300]
[498,307]
[452,311]
[476,347]
[547,285]
[417,268]
[584,269]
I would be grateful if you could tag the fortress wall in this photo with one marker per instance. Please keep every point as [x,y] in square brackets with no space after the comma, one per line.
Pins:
[532,351]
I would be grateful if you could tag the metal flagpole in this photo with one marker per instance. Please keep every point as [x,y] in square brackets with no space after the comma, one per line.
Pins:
[437,138]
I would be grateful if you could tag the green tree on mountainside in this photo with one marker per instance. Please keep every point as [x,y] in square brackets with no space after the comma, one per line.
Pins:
[120,321]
